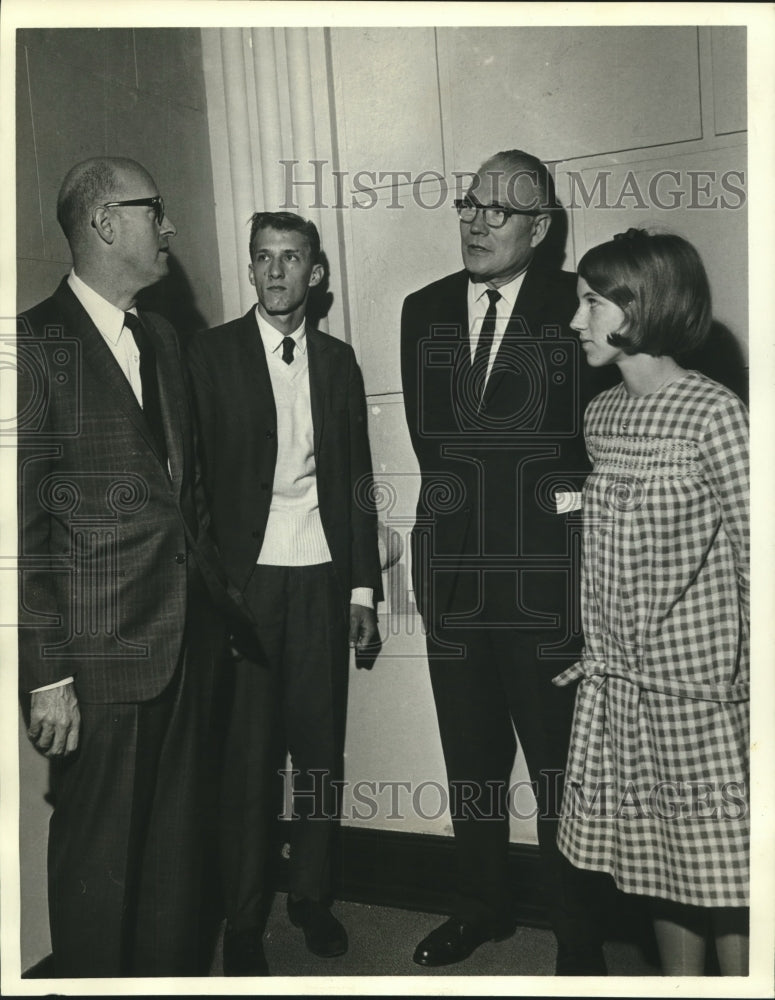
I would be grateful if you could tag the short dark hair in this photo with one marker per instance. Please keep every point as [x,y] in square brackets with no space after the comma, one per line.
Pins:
[285,222]
[659,282]
[87,184]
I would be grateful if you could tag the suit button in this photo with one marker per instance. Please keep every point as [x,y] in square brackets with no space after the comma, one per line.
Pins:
[264,486]
[255,534]
[180,557]
[270,434]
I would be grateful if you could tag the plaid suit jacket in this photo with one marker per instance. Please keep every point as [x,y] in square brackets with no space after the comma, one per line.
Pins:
[106,532]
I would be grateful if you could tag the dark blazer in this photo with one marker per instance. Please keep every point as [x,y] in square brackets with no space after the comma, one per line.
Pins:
[106,533]
[488,542]
[238,426]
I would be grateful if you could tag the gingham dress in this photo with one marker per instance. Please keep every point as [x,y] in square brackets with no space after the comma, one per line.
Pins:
[657,779]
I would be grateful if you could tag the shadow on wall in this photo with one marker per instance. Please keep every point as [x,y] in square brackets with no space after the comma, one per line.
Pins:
[551,252]
[320,298]
[720,358]
[173,298]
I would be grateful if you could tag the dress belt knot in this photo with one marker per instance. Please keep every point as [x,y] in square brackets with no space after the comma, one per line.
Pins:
[599,671]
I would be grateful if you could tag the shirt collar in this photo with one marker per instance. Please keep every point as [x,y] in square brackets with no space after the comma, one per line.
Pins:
[272,337]
[509,292]
[108,319]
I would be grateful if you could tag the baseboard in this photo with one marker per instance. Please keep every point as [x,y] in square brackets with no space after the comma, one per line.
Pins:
[44,969]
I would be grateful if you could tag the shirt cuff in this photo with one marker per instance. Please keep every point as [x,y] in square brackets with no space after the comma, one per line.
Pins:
[56,684]
[363,596]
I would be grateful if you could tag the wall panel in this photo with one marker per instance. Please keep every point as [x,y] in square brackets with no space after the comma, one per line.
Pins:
[387,99]
[562,92]
[169,65]
[57,85]
[394,251]
[104,53]
[138,94]
[728,51]
[29,241]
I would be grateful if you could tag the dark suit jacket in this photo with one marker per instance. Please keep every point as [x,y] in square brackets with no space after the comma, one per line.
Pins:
[106,535]
[488,543]
[238,424]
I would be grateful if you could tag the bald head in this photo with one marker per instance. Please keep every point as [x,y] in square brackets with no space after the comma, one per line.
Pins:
[92,183]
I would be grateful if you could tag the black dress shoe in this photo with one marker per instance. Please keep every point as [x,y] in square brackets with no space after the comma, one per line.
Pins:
[456,940]
[243,953]
[580,962]
[324,935]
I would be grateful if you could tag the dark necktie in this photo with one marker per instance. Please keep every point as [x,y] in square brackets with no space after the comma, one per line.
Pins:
[486,336]
[149,381]
[288,345]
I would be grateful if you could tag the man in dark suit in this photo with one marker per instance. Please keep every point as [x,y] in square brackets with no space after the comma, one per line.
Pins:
[288,471]
[118,635]
[493,395]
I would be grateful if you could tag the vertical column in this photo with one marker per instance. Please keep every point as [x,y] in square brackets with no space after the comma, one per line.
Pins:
[302,114]
[239,148]
[269,121]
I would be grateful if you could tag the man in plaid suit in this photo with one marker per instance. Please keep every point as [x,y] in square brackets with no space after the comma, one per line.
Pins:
[118,634]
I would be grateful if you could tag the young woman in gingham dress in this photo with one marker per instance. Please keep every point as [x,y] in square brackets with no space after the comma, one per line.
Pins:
[657,778]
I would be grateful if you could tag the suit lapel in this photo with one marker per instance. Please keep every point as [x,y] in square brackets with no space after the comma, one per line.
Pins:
[170,398]
[254,374]
[99,358]
[452,314]
[319,381]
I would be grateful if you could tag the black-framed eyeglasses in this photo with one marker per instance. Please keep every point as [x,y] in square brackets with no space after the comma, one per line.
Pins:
[495,216]
[157,203]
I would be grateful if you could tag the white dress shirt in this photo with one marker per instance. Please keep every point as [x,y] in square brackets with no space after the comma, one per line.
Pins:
[109,320]
[478,304]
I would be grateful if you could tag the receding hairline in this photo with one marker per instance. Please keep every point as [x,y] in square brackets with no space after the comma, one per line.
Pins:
[519,165]
[122,168]
[503,163]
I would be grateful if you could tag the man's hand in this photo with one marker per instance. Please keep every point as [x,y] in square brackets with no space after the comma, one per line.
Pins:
[55,720]
[364,635]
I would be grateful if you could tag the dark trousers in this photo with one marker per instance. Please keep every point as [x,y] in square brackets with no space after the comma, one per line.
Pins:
[127,837]
[294,700]
[500,684]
